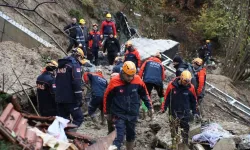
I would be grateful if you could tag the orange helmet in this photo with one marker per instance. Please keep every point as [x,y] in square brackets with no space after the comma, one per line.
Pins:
[198,61]
[51,65]
[129,68]
[128,44]
[186,77]
[158,54]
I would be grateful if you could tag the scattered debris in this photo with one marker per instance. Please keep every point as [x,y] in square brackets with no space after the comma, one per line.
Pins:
[15,128]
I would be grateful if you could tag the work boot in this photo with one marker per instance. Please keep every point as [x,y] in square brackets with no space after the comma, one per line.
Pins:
[130,145]
[95,121]
[103,119]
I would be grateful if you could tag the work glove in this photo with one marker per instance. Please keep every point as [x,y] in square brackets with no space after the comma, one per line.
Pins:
[162,100]
[108,117]
[144,108]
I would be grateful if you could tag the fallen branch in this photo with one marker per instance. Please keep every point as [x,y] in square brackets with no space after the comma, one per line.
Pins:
[34,9]
[25,92]
[39,26]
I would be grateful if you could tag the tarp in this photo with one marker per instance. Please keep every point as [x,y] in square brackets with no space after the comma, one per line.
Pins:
[149,47]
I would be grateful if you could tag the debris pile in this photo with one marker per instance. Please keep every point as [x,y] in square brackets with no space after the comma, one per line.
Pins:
[29,131]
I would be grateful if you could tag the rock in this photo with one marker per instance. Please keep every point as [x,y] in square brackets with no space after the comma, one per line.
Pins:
[183,147]
[164,137]
[194,130]
[225,144]
[155,127]
[235,128]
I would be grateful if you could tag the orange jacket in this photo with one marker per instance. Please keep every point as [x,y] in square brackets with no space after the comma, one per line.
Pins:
[133,56]
[201,79]
[152,73]
[123,99]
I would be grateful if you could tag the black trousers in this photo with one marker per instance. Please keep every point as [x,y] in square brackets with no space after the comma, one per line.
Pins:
[111,58]
[158,88]
[72,43]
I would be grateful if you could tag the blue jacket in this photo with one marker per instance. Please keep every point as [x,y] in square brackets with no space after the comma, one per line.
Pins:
[68,81]
[180,68]
[123,99]
[180,99]
[152,71]
[46,94]
[98,83]
[118,67]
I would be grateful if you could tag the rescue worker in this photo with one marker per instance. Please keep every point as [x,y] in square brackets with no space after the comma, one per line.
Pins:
[94,44]
[118,63]
[122,102]
[98,86]
[179,65]
[112,46]
[46,87]
[152,73]
[69,91]
[132,54]
[180,98]
[205,52]
[107,27]
[71,31]
[82,35]
[199,80]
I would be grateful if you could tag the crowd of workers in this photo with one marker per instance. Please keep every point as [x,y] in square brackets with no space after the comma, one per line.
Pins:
[91,42]
[60,85]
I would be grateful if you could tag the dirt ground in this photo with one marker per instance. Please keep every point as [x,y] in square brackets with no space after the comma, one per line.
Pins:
[27,64]
[148,137]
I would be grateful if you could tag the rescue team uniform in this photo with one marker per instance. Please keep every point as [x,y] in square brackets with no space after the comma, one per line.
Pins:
[134,57]
[108,27]
[152,73]
[122,101]
[46,94]
[118,67]
[180,100]
[68,91]
[94,44]
[199,81]
[98,86]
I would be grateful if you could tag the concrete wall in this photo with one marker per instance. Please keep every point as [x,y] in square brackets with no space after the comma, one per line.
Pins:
[12,31]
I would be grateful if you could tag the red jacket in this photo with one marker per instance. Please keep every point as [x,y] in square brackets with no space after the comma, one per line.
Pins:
[180,99]
[108,27]
[200,77]
[152,71]
[133,56]
[95,39]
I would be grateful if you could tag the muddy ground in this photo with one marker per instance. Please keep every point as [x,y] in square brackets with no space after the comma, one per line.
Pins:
[150,134]
[156,133]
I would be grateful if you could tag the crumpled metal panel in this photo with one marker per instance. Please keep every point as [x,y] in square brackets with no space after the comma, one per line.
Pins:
[13,121]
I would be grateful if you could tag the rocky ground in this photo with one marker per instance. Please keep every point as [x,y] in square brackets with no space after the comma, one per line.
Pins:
[27,63]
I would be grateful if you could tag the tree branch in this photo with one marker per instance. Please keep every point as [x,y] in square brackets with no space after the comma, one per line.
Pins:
[17,7]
